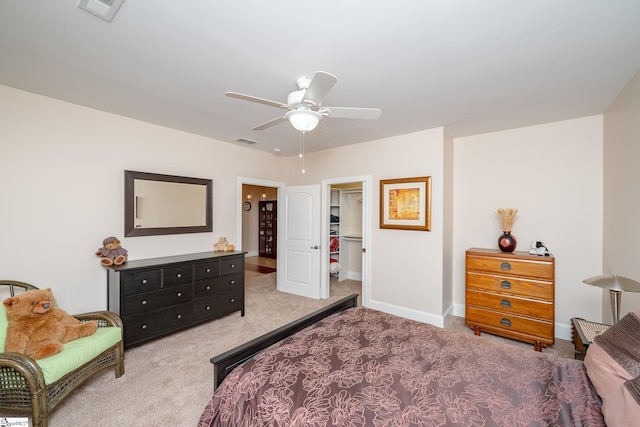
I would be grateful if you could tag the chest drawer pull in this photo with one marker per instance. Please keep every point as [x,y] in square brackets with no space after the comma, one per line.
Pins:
[208,288]
[232,282]
[505,322]
[505,303]
[144,302]
[179,294]
[144,281]
[143,327]
[179,316]
[505,266]
[232,300]
[208,307]
[232,266]
[208,270]
[179,275]
[505,284]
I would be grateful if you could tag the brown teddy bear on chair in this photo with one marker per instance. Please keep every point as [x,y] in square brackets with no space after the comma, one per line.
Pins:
[38,328]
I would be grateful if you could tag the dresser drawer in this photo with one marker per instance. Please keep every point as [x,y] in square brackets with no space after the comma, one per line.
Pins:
[513,267]
[231,265]
[207,270]
[178,275]
[516,324]
[510,304]
[140,281]
[148,325]
[511,285]
[217,305]
[158,299]
[220,284]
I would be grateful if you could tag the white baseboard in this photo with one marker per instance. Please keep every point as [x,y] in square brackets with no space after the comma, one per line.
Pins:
[407,313]
[354,275]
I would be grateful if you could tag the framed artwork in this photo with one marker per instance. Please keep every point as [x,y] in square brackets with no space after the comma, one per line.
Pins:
[405,203]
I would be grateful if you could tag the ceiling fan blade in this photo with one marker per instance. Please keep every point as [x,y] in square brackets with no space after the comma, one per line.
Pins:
[244,97]
[270,123]
[351,113]
[319,87]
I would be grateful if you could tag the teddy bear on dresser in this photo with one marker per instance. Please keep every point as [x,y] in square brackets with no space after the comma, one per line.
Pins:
[111,253]
[38,328]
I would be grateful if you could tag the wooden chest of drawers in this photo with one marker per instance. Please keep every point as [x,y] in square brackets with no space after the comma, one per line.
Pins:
[155,297]
[511,295]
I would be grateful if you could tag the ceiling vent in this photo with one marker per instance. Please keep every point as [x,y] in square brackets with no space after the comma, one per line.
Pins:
[246,141]
[104,9]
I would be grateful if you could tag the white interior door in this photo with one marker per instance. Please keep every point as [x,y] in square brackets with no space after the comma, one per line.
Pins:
[299,240]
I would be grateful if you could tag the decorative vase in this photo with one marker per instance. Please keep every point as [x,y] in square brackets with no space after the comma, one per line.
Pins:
[507,242]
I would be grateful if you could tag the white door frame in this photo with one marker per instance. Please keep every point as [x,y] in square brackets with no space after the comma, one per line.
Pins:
[239,201]
[325,195]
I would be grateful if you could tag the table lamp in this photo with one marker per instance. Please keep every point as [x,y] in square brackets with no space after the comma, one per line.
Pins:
[615,284]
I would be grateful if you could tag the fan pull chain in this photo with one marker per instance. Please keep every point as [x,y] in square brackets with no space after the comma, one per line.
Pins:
[302,150]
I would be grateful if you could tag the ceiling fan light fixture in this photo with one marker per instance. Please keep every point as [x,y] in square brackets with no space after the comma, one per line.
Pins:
[303,120]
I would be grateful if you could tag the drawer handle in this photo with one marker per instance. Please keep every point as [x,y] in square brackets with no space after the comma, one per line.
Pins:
[208,288]
[144,281]
[179,316]
[505,322]
[208,270]
[233,266]
[232,300]
[233,282]
[144,302]
[505,284]
[505,266]
[505,303]
[143,327]
[208,307]
[179,294]
[179,275]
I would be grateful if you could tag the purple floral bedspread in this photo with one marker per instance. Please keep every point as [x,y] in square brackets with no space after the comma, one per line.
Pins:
[362,367]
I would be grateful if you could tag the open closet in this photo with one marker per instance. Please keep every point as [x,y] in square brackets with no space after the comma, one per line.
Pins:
[345,232]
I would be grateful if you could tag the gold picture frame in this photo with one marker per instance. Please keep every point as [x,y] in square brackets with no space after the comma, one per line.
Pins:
[405,203]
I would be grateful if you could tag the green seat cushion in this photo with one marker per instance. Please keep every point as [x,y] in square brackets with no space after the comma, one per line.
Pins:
[74,354]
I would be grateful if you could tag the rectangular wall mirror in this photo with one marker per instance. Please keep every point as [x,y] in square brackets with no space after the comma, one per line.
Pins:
[157,204]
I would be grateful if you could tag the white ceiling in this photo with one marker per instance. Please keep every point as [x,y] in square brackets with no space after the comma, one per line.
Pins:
[472,66]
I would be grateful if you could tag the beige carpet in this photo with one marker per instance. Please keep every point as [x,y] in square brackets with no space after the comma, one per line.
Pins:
[169,381]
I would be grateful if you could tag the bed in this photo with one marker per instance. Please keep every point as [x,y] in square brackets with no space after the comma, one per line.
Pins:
[354,366]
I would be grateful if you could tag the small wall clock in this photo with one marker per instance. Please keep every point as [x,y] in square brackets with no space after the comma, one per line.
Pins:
[246,206]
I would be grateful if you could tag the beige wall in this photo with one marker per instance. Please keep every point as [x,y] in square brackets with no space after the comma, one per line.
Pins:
[406,271]
[553,174]
[621,194]
[61,168]
[62,190]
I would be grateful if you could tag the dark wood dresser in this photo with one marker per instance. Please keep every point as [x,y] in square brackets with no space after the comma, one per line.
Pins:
[511,295]
[159,296]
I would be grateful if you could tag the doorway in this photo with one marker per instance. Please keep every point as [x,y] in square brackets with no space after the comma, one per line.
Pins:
[254,195]
[346,230]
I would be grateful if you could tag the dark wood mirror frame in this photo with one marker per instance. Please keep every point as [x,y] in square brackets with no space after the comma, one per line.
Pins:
[129,204]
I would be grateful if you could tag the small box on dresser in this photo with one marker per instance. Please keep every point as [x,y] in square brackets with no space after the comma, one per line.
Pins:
[511,295]
[155,297]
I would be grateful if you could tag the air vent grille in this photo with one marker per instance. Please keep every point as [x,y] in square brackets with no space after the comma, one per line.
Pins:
[247,141]
[104,9]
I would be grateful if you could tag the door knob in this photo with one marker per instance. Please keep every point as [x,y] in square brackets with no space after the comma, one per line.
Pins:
[315,247]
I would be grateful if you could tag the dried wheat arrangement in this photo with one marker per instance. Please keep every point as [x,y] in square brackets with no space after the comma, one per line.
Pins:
[507,218]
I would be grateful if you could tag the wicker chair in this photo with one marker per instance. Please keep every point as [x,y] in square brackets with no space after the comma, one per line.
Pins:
[22,384]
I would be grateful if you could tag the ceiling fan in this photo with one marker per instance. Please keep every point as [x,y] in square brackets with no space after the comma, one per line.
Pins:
[305,105]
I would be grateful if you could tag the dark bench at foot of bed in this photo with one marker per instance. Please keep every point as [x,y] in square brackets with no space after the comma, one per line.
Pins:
[224,363]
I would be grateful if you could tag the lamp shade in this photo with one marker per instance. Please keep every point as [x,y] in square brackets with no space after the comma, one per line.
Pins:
[614,283]
[303,120]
